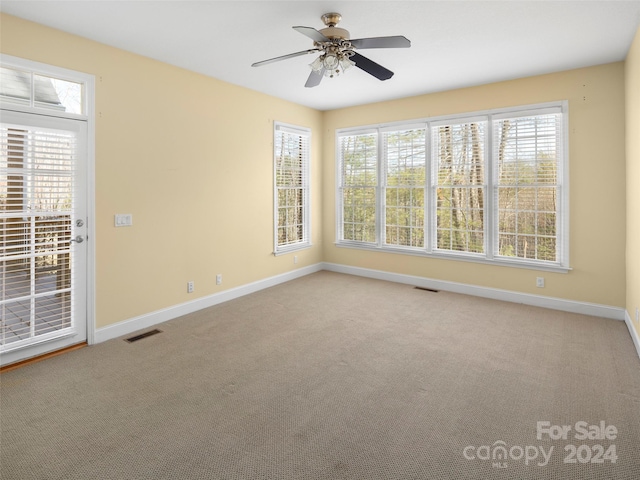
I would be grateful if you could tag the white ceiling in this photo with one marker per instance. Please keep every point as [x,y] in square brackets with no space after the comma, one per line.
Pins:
[454,43]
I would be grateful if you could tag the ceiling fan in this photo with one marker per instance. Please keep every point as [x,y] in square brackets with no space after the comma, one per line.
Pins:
[337,51]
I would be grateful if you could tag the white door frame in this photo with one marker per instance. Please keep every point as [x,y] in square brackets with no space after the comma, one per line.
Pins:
[88,116]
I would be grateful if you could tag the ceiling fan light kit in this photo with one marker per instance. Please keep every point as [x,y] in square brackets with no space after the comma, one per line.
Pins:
[337,53]
[331,64]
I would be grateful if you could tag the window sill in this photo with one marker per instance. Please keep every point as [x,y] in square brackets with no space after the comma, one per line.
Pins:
[459,257]
[292,248]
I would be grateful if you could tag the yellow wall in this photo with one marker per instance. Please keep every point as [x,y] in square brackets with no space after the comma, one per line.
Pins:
[597,188]
[172,149]
[632,72]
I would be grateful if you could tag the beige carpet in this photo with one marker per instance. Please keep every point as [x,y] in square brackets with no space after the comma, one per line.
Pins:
[332,377]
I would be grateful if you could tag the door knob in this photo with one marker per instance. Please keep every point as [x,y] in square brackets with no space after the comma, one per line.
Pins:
[78,239]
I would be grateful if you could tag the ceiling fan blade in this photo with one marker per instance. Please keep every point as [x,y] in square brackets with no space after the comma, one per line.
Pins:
[312,33]
[397,41]
[284,57]
[314,78]
[371,67]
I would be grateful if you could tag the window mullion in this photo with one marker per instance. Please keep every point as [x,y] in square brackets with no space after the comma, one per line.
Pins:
[490,211]
[339,195]
[306,189]
[562,145]
[429,190]
[32,100]
[381,190]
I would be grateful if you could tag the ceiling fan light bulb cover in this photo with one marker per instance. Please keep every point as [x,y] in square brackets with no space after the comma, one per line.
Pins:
[317,64]
[331,61]
[346,63]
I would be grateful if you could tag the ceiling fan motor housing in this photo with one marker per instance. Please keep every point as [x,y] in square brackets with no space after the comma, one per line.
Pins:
[335,33]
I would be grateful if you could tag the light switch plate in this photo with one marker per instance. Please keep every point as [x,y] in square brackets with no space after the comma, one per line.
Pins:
[123,220]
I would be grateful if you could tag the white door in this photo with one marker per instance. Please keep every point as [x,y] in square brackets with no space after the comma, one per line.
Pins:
[43,234]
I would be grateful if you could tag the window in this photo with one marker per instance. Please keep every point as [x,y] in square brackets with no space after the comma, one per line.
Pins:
[486,187]
[359,180]
[40,91]
[527,187]
[459,186]
[291,188]
[405,172]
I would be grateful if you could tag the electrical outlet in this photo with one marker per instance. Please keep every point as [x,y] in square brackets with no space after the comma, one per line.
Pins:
[540,282]
[218,279]
[190,287]
[295,259]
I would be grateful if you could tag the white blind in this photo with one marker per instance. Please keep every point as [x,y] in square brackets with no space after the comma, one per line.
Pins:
[458,187]
[405,173]
[291,165]
[36,209]
[527,186]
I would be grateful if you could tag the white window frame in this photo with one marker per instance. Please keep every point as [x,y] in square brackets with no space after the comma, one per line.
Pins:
[491,205]
[305,136]
[35,68]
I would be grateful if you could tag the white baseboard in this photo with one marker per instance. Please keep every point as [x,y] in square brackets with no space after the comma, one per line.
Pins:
[584,308]
[153,318]
[634,334]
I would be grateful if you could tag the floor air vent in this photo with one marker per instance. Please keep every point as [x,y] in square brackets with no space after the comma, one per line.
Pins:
[427,289]
[143,335]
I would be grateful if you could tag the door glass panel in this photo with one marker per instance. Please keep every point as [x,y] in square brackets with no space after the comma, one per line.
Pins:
[52,312]
[36,209]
